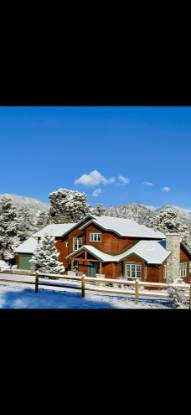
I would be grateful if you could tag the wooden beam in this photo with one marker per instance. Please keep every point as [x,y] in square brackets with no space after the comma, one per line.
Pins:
[100,267]
[86,255]
[76,258]
[85,260]
[71,264]
[136,292]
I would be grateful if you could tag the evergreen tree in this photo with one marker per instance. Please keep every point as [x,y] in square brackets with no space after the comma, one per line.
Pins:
[26,223]
[45,258]
[168,221]
[8,229]
[68,206]
[43,220]
[99,210]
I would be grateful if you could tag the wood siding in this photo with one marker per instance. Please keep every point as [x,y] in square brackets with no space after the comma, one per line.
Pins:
[60,245]
[184,256]
[110,242]
[152,273]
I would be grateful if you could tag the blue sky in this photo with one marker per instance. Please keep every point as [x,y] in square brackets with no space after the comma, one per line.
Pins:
[116,155]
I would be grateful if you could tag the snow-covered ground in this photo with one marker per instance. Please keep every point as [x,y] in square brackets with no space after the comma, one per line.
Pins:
[15,295]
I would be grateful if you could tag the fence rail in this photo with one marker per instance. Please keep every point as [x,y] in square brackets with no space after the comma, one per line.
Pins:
[106,281]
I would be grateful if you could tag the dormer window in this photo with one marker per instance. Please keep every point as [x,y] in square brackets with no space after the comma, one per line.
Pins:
[95,237]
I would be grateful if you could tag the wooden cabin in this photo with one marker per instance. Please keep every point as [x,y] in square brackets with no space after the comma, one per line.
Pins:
[114,247]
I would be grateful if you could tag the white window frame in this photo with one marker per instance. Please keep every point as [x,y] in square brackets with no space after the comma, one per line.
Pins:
[67,244]
[183,269]
[164,276]
[78,242]
[92,236]
[138,264]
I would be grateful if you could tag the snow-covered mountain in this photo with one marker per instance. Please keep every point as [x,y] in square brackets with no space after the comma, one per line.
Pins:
[142,214]
[21,201]
[134,211]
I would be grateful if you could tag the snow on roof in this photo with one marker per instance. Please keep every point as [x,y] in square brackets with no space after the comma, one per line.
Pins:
[150,251]
[28,246]
[56,230]
[125,227]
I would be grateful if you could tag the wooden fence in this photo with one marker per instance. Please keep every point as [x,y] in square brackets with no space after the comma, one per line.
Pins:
[106,281]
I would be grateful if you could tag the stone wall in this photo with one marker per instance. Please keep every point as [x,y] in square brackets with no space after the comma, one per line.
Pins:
[173,262]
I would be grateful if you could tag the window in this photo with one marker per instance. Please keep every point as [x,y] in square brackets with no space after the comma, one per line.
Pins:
[164,272]
[183,268]
[95,237]
[76,266]
[133,270]
[77,243]
[66,244]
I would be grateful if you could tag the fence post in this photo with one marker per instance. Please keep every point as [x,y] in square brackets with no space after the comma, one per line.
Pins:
[83,285]
[136,292]
[36,282]
[190,295]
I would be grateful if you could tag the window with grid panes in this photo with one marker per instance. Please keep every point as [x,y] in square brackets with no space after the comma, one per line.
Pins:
[95,237]
[183,269]
[133,270]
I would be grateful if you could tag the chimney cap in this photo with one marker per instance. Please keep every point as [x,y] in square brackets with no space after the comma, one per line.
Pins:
[172,234]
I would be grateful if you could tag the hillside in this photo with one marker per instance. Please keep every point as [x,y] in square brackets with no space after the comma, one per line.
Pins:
[134,211]
[35,205]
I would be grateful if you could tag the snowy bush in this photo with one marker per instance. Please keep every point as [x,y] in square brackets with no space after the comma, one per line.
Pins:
[45,258]
[177,297]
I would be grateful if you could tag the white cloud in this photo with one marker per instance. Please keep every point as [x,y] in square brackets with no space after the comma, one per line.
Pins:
[93,179]
[123,179]
[165,189]
[95,193]
[112,180]
[148,183]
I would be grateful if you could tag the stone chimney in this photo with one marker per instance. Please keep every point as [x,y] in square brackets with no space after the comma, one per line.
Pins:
[173,262]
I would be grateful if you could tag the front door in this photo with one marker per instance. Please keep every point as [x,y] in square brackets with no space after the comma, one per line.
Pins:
[93,268]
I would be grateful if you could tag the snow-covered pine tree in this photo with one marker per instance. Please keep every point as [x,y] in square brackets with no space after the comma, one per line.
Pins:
[169,221]
[9,239]
[45,258]
[26,223]
[68,206]
[43,220]
[99,210]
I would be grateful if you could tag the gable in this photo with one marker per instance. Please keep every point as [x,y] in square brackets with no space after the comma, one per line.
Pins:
[185,254]
[79,224]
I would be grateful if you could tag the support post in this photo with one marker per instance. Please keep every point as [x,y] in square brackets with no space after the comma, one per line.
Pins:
[190,296]
[83,285]
[100,267]
[72,264]
[36,282]
[136,292]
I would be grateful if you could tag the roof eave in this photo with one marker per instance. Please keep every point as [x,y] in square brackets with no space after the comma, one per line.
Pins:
[120,234]
[84,249]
